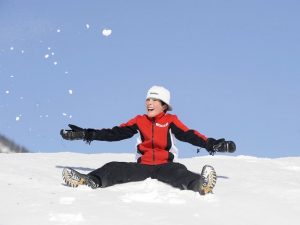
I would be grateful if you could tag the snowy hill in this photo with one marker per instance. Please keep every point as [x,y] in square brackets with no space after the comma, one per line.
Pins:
[8,146]
[249,190]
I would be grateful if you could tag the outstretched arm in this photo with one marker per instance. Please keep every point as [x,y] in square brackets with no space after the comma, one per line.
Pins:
[183,133]
[116,133]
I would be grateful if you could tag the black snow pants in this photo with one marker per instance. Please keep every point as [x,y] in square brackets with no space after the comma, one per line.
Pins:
[174,174]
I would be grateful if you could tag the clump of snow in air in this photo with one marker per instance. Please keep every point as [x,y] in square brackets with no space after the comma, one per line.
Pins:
[48,55]
[87,26]
[12,48]
[106,32]
[247,187]
[7,92]
[58,30]
[66,115]
[18,118]
[70,92]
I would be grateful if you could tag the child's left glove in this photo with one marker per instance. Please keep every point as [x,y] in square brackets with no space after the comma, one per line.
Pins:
[220,145]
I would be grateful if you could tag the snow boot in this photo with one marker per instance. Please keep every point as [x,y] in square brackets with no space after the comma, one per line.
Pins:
[73,178]
[208,180]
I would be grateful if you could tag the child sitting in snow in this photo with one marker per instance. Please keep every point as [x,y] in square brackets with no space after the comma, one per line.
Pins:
[155,149]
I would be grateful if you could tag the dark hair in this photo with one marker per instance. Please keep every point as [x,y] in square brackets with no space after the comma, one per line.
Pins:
[163,103]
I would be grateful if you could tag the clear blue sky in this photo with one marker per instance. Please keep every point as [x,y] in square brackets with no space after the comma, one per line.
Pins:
[232,68]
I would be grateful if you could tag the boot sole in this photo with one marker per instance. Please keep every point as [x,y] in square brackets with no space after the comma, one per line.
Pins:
[210,174]
[72,178]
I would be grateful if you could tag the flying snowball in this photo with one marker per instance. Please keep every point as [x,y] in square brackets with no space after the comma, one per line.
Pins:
[66,115]
[18,118]
[106,32]
[70,91]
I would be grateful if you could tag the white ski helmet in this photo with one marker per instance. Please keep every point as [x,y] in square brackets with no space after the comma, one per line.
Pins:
[161,93]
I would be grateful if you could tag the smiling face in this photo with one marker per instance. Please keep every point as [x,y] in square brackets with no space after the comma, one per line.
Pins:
[154,107]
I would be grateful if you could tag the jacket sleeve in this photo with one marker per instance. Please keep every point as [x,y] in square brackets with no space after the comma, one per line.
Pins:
[183,133]
[117,133]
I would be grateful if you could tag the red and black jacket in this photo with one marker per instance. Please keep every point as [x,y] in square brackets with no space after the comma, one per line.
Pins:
[156,139]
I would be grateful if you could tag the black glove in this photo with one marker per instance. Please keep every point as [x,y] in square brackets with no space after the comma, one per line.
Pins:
[220,145]
[78,133]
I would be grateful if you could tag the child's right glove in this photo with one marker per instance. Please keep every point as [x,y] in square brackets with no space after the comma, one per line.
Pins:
[78,133]
[220,145]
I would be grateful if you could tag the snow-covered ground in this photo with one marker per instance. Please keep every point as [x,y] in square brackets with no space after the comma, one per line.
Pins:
[249,190]
[8,146]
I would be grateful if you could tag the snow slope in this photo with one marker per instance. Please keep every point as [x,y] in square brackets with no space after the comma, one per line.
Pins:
[249,190]
[8,146]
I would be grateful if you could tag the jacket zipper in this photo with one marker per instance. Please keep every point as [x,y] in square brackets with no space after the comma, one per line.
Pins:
[153,156]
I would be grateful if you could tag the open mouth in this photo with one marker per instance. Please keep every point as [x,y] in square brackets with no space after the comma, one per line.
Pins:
[150,109]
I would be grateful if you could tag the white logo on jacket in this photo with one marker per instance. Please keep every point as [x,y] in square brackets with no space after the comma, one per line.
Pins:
[162,125]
